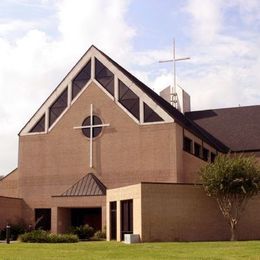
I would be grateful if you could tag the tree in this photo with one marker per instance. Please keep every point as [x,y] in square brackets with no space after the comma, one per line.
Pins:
[232,180]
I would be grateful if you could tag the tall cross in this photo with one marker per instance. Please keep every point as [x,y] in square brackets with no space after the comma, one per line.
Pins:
[173,88]
[91,127]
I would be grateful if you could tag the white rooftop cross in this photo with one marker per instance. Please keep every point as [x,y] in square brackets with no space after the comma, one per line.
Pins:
[173,88]
[91,127]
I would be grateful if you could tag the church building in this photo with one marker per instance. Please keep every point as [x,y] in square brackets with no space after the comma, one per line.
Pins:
[106,150]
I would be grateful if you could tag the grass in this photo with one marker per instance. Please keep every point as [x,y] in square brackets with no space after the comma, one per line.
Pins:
[114,250]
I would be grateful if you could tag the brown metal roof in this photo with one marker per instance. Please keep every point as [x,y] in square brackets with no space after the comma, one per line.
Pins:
[238,128]
[89,185]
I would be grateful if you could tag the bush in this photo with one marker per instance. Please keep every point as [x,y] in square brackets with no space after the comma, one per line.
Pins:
[83,232]
[16,230]
[63,238]
[41,236]
[99,235]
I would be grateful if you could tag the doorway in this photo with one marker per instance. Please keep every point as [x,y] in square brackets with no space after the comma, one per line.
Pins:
[43,219]
[113,212]
[90,216]
[126,217]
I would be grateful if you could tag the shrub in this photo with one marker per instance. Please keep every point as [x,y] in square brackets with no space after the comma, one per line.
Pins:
[99,235]
[63,238]
[83,232]
[16,230]
[41,236]
[35,236]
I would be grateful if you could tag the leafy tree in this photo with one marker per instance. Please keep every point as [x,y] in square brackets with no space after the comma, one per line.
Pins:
[232,180]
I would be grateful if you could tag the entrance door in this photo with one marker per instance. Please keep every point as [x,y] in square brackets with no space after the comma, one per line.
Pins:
[113,220]
[126,217]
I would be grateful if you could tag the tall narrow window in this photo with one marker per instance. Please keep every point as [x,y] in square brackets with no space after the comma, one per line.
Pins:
[150,115]
[113,220]
[129,99]
[197,150]
[104,76]
[58,107]
[126,218]
[81,79]
[39,126]
[212,157]
[187,144]
[205,154]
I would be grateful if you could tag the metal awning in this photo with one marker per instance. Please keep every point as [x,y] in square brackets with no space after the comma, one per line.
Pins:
[89,185]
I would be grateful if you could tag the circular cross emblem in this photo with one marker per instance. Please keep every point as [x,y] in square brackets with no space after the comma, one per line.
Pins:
[92,126]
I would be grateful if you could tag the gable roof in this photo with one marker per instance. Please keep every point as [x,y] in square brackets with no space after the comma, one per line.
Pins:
[89,185]
[238,128]
[168,109]
[172,111]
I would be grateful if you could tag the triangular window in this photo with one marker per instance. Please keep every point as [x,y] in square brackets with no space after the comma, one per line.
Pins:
[39,126]
[129,99]
[104,76]
[81,80]
[150,115]
[58,107]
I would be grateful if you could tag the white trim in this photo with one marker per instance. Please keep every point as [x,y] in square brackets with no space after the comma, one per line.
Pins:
[127,112]
[141,111]
[58,118]
[92,75]
[118,75]
[60,88]
[47,120]
[143,96]
[69,93]
[37,133]
[156,123]
[103,89]
[81,91]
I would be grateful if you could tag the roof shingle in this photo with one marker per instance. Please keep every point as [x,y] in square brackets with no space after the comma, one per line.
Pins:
[238,128]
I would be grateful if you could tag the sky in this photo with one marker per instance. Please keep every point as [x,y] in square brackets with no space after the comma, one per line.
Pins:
[41,40]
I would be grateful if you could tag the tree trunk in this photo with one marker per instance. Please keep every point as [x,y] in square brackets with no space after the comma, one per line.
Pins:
[233,232]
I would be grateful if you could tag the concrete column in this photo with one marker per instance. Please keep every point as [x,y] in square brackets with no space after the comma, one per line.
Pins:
[118,220]
[104,223]
[108,221]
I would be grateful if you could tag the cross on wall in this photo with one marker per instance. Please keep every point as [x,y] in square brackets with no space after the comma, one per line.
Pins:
[91,126]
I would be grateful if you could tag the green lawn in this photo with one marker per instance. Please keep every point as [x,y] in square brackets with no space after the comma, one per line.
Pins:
[114,250]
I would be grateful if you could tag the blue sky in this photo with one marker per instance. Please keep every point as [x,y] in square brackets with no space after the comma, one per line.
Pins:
[40,40]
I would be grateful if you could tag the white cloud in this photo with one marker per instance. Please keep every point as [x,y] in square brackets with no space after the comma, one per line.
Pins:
[206,19]
[32,65]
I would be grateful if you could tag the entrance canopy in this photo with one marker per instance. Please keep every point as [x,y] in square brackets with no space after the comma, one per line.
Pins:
[89,185]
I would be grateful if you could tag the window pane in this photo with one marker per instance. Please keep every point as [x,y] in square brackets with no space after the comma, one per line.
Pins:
[81,79]
[104,76]
[129,99]
[212,157]
[58,107]
[113,220]
[205,154]
[197,150]
[39,126]
[150,115]
[187,144]
[96,130]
